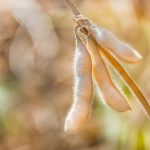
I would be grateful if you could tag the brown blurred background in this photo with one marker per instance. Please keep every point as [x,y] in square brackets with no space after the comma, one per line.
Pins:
[36,51]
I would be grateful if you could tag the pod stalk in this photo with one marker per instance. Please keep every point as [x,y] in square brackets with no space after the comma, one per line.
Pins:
[72,7]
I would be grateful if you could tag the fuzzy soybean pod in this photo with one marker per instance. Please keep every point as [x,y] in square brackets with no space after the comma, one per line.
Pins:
[111,94]
[83,87]
[119,48]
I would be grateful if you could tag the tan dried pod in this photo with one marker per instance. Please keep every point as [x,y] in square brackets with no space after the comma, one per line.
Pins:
[110,93]
[83,87]
[119,48]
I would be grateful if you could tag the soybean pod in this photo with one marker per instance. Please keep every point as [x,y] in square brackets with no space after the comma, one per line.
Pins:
[122,50]
[83,87]
[110,93]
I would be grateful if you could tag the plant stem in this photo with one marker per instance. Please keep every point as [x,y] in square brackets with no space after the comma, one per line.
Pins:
[72,7]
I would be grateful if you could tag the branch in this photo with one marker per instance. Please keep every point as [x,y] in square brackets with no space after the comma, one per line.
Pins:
[72,7]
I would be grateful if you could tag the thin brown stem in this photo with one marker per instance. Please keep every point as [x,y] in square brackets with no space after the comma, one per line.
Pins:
[72,7]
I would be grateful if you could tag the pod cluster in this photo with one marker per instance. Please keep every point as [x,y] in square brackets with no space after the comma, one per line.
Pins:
[90,64]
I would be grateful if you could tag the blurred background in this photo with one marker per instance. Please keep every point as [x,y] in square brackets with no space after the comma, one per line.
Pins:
[36,52]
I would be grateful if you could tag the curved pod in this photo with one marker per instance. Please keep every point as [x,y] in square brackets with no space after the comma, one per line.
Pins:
[119,48]
[110,93]
[81,107]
